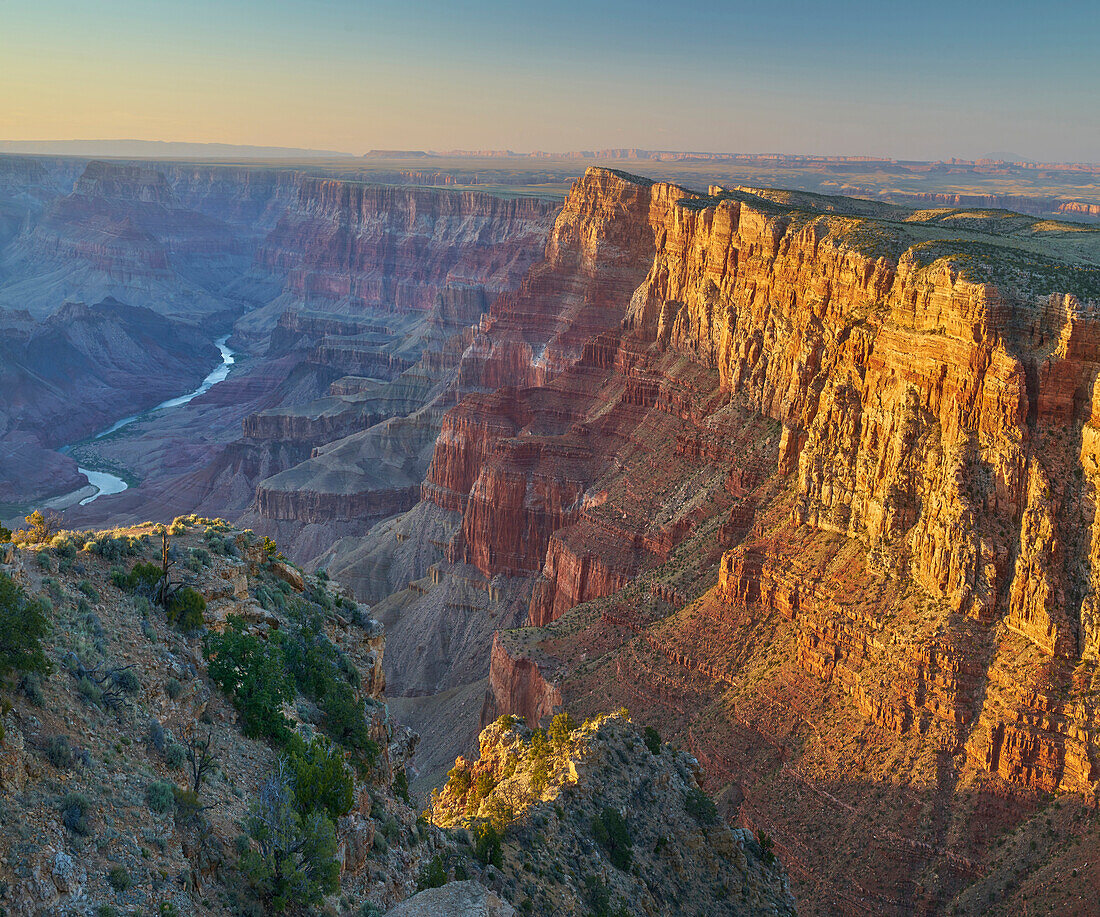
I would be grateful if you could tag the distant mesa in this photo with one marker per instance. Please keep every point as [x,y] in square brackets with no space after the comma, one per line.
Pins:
[396,154]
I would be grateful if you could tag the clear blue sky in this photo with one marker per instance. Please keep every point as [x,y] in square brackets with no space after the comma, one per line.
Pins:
[912,80]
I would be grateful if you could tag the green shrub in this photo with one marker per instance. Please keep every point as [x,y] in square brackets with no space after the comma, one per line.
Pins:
[187,803]
[458,780]
[127,681]
[63,547]
[88,589]
[540,745]
[401,785]
[160,796]
[59,752]
[31,686]
[700,806]
[346,723]
[653,740]
[271,599]
[311,657]
[599,899]
[113,548]
[175,756]
[155,735]
[612,833]
[325,675]
[23,624]
[186,608]
[482,787]
[252,673]
[89,690]
[540,775]
[292,864]
[173,688]
[119,878]
[767,847]
[143,579]
[5,535]
[75,809]
[218,544]
[432,874]
[488,848]
[561,727]
[321,778]
[319,596]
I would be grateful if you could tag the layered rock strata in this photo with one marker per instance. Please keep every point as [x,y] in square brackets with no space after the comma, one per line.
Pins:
[920,536]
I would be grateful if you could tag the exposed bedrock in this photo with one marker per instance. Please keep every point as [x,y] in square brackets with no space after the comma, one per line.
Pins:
[924,413]
[516,686]
[367,245]
[313,506]
[359,479]
[123,232]
[578,567]
[365,296]
[357,259]
[939,423]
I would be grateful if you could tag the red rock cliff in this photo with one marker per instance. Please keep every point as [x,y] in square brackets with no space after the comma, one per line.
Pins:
[892,477]
[395,248]
[939,421]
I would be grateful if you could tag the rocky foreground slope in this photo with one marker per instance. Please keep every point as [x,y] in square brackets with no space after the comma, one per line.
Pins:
[231,752]
[807,482]
[580,800]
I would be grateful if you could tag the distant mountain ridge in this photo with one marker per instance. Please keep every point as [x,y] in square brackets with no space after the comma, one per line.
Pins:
[160,149]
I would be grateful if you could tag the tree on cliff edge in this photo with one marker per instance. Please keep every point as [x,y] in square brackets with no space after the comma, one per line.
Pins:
[292,863]
[23,624]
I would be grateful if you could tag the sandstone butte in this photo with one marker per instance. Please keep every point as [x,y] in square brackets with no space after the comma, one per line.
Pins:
[810,483]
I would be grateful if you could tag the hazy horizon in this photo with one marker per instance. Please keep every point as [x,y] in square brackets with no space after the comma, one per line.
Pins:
[862,78]
[130,147]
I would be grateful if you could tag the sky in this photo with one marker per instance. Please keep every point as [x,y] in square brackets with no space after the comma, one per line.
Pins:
[911,80]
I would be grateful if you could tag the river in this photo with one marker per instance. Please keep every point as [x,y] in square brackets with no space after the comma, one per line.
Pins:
[107,483]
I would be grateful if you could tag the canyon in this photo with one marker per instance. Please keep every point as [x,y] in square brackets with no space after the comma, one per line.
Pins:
[320,283]
[805,482]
